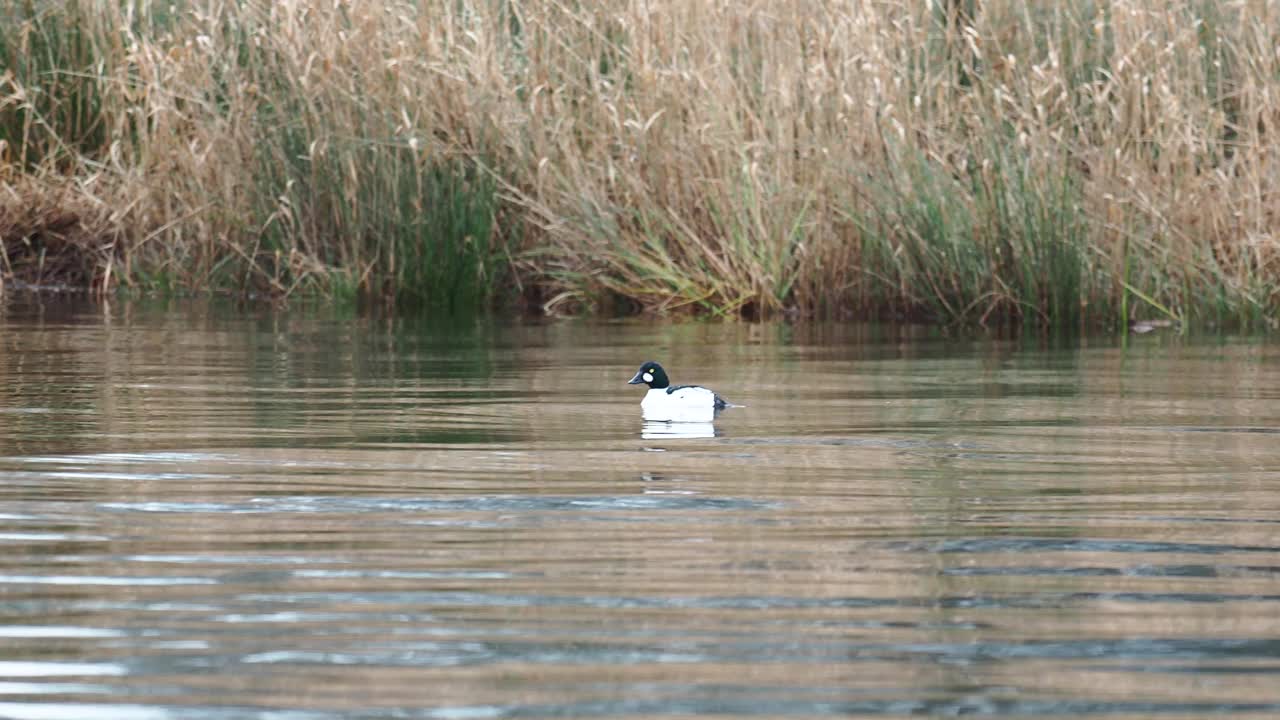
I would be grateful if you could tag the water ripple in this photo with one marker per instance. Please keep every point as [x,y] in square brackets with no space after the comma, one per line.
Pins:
[1031,545]
[486,504]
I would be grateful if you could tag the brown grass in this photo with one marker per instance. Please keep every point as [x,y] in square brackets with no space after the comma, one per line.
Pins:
[967,159]
[55,236]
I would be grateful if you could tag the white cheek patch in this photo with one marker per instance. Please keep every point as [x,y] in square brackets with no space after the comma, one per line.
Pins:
[648,377]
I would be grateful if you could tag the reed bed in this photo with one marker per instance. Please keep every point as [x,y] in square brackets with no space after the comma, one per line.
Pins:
[973,161]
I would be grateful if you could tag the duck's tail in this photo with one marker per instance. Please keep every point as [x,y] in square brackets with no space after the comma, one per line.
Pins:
[721,404]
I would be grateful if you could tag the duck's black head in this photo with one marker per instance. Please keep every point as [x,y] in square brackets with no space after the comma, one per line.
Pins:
[651,374]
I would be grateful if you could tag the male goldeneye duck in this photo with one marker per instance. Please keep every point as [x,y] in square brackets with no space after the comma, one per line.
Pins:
[682,403]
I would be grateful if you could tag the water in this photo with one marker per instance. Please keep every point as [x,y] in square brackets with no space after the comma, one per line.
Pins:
[218,513]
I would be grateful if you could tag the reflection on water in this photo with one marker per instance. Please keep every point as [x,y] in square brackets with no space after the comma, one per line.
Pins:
[216,514]
[663,429]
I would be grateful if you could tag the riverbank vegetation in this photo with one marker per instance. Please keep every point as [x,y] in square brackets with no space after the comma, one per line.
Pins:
[963,160]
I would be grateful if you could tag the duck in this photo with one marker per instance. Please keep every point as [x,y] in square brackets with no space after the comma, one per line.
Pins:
[675,403]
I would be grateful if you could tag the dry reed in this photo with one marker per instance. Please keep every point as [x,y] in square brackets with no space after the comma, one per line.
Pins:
[967,160]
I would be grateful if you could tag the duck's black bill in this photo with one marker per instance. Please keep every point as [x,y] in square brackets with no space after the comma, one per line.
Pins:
[637,379]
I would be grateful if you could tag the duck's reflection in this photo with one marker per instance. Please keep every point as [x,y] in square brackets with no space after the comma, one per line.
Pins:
[666,430]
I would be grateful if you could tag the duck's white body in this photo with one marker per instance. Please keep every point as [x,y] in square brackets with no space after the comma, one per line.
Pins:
[690,403]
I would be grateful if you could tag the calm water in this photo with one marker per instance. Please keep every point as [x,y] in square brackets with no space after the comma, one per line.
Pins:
[213,514]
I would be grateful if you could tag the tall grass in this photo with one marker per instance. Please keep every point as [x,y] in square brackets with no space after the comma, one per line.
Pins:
[1063,164]
[257,147]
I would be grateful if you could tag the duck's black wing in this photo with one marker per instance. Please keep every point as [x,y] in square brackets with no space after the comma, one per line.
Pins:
[717,402]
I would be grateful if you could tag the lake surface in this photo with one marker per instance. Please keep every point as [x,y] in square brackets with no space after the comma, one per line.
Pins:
[216,513]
